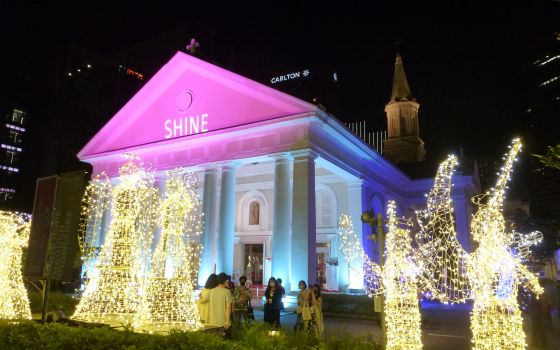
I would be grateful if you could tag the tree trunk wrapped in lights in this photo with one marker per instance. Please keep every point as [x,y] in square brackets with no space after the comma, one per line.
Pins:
[113,292]
[439,252]
[14,235]
[397,279]
[168,300]
[496,270]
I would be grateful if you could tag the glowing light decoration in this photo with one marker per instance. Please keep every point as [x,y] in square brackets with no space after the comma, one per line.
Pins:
[94,206]
[14,235]
[439,252]
[168,300]
[496,270]
[400,279]
[358,261]
[113,293]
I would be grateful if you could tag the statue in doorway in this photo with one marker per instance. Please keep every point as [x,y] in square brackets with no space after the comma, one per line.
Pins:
[254,213]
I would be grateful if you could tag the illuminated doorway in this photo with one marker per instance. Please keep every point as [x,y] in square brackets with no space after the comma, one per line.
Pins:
[253,262]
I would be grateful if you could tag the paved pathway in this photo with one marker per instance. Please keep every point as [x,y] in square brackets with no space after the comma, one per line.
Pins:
[444,327]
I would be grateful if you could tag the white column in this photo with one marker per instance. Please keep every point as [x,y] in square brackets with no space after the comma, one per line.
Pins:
[210,210]
[354,279]
[281,242]
[304,237]
[239,259]
[224,243]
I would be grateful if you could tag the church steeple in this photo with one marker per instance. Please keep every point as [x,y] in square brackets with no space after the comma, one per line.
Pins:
[401,90]
[403,143]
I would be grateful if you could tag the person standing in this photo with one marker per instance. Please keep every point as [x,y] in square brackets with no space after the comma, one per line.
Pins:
[273,299]
[230,285]
[241,302]
[317,311]
[204,309]
[220,300]
[302,301]
[282,291]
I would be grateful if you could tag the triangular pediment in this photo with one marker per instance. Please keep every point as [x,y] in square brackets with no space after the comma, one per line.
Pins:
[187,97]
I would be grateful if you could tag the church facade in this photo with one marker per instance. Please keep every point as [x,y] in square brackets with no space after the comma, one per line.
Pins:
[275,172]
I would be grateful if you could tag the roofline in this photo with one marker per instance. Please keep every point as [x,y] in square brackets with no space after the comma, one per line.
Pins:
[142,97]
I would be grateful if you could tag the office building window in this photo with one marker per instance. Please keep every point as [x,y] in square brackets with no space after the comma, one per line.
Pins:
[18,116]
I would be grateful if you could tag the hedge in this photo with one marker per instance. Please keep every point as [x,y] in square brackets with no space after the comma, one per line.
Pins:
[31,335]
[347,304]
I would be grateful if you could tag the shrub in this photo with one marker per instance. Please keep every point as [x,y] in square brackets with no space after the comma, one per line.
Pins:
[31,335]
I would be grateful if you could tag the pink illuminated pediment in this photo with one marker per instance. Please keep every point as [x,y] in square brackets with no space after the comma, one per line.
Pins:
[188,97]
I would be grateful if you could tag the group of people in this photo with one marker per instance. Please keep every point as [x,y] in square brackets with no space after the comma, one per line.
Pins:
[222,304]
[310,310]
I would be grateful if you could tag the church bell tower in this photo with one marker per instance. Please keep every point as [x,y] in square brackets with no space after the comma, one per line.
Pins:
[403,143]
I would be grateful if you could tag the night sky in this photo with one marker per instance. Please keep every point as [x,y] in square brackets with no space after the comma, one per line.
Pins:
[462,61]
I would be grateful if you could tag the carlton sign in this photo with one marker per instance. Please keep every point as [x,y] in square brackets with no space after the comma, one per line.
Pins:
[290,76]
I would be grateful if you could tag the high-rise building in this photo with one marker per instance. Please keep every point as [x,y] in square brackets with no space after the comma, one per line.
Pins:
[541,97]
[84,88]
[403,144]
[315,83]
[11,140]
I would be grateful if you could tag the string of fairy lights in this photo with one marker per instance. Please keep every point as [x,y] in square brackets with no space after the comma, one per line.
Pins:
[112,294]
[397,279]
[439,252]
[168,300]
[14,235]
[400,279]
[357,259]
[496,269]
[440,267]
[94,207]
[127,284]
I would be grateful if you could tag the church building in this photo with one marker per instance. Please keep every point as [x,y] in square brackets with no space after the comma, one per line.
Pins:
[275,171]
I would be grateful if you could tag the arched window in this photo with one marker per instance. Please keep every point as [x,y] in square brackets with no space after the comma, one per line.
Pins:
[254,213]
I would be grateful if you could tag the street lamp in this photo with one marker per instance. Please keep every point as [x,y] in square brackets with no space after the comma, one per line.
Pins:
[376,221]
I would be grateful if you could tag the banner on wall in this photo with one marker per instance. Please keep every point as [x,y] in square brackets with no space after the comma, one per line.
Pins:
[332,277]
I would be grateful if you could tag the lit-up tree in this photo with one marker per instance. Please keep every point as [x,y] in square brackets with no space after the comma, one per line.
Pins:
[113,292]
[168,300]
[496,270]
[357,260]
[443,260]
[14,235]
[397,280]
